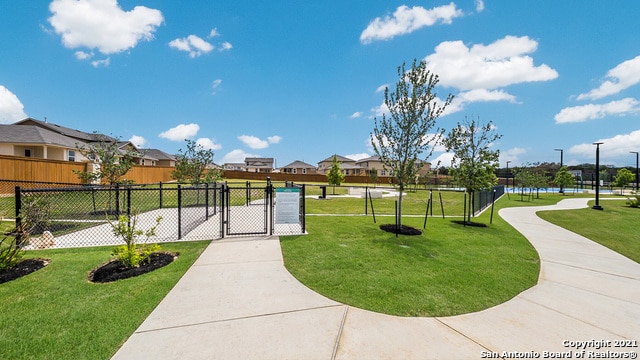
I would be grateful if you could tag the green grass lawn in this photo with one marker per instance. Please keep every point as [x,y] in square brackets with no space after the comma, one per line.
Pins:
[55,313]
[448,270]
[616,227]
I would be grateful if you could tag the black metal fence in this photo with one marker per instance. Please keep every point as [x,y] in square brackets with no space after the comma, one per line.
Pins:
[485,198]
[85,215]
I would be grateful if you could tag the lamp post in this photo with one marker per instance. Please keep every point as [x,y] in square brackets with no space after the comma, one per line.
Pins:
[508,174]
[597,205]
[635,152]
[561,153]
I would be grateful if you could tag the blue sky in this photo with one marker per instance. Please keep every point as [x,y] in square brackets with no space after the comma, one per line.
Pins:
[302,80]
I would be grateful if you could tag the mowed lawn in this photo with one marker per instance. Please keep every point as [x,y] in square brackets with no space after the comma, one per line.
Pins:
[448,270]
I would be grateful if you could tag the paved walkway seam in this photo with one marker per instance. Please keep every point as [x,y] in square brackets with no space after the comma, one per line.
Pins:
[339,336]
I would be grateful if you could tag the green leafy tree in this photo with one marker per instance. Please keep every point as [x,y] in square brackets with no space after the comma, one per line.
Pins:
[373,175]
[475,162]
[335,175]
[114,161]
[564,178]
[133,252]
[623,178]
[408,132]
[191,164]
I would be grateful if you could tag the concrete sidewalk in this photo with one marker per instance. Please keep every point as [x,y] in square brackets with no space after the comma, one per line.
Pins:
[239,302]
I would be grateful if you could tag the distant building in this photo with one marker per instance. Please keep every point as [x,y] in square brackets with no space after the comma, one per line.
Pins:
[298,167]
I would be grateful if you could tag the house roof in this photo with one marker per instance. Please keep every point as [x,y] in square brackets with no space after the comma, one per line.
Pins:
[158,154]
[338,157]
[370,158]
[76,134]
[31,134]
[299,165]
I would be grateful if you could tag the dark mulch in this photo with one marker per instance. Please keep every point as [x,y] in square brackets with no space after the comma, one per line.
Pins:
[402,230]
[469,223]
[23,268]
[114,270]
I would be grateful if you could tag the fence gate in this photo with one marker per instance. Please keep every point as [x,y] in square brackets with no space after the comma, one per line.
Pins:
[247,210]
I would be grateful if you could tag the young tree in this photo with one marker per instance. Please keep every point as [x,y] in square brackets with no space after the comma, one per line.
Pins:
[623,178]
[191,165]
[408,132]
[564,178]
[475,163]
[114,162]
[335,175]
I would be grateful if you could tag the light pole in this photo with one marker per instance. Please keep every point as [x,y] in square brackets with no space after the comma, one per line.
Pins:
[561,153]
[635,152]
[597,205]
[508,174]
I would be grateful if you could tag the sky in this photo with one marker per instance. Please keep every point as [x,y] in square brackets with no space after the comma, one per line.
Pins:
[303,80]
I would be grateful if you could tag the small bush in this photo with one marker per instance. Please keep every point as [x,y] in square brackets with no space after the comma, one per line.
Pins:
[634,201]
[10,251]
[132,253]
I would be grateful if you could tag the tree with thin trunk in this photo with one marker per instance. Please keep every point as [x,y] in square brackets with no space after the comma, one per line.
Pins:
[475,162]
[335,175]
[408,132]
[564,178]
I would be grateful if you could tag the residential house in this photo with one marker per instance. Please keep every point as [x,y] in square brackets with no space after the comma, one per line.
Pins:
[298,167]
[159,157]
[347,166]
[234,166]
[261,165]
[373,164]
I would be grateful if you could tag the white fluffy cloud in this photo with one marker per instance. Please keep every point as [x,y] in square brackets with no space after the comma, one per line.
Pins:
[138,141]
[612,148]
[208,144]
[499,64]
[479,5]
[623,76]
[407,20]
[357,157]
[512,155]
[102,24]
[356,115]
[192,44]
[11,109]
[255,142]
[597,111]
[180,132]
[236,156]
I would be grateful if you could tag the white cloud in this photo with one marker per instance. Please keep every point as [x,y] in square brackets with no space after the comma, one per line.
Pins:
[443,159]
[138,141]
[381,88]
[253,142]
[213,33]
[597,111]
[499,64]
[99,63]
[83,55]
[208,144]
[357,157]
[356,115]
[407,20]
[236,156]
[512,155]
[215,85]
[479,5]
[612,148]
[11,109]
[192,44]
[102,24]
[180,132]
[623,76]
[225,46]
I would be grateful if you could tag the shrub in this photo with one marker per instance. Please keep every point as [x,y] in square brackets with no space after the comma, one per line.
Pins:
[133,253]
[634,201]
[10,251]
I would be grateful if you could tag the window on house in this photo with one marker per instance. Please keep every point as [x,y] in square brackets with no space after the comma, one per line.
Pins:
[295,171]
[71,155]
[304,171]
[142,161]
[27,152]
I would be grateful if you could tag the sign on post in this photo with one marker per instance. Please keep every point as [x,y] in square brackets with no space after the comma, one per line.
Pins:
[287,206]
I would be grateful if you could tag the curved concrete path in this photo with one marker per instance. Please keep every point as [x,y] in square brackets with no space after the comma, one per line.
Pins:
[239,302]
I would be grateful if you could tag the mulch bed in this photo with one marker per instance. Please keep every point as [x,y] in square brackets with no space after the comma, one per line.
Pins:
[23,268]
[402,230]
[114,270]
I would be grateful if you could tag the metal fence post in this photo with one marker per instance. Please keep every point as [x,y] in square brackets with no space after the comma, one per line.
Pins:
[117,199]
[179,212]
[18,204]
[160,194]
[206,201]
[129,206]
[304,209]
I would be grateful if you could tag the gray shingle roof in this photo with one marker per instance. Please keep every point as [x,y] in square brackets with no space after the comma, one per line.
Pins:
[31,134]
[76,134]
